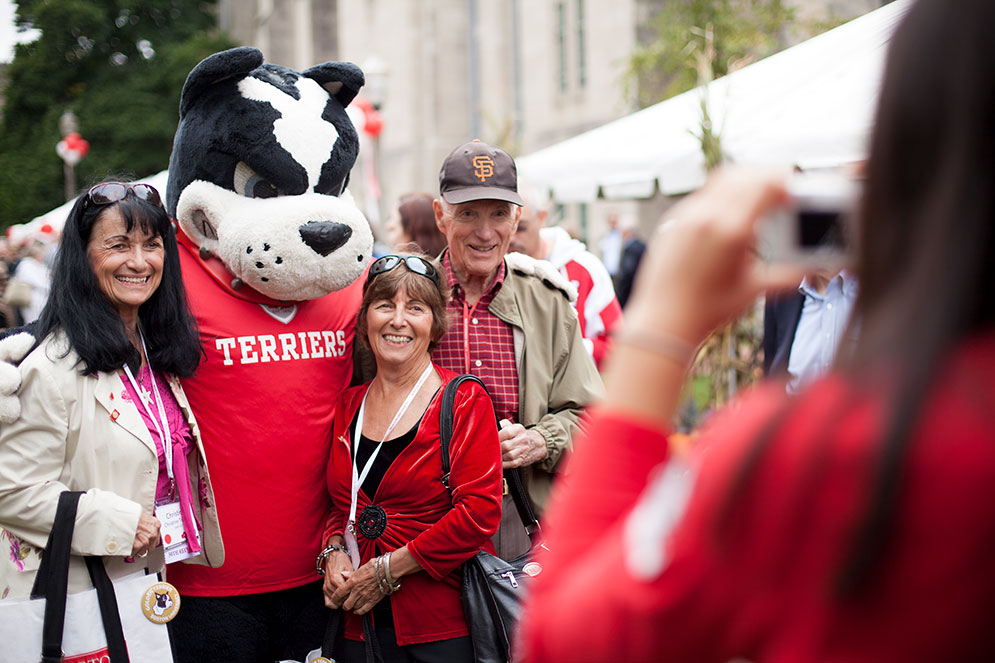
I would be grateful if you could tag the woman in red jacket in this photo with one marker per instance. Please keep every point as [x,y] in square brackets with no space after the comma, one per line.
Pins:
[855,522]
[395,537]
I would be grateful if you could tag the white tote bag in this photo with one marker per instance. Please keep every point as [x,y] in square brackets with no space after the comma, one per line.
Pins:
[90,633]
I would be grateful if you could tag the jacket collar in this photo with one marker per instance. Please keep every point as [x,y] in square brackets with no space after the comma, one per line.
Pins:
[122,412]
[504,304]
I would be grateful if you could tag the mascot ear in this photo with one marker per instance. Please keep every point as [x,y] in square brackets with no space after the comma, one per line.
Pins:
[218,67]
[341,79]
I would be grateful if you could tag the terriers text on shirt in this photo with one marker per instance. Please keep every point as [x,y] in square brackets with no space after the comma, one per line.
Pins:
[265,348]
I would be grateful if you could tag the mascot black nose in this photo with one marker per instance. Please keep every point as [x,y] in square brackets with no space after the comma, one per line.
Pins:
[325,236]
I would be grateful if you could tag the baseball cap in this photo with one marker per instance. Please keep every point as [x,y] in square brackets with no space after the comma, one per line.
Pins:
[478,171]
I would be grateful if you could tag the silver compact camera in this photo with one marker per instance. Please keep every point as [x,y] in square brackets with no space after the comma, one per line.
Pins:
[815,228]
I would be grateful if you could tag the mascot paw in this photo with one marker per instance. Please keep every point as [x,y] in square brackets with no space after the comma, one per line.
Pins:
[542,270]
[12,350]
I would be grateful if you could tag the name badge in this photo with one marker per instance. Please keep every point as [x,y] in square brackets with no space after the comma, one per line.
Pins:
[174,538]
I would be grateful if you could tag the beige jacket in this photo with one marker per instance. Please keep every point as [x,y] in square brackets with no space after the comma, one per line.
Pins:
[556,376]
[77,433]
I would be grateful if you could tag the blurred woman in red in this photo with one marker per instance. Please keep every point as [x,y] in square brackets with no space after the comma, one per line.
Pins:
[855,522]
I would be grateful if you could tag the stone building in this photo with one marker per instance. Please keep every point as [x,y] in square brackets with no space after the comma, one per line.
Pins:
[522,74]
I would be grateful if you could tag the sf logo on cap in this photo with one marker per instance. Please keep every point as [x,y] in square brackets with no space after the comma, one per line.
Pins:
[483,167]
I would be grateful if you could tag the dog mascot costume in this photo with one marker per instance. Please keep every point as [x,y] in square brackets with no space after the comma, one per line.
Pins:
[272,253]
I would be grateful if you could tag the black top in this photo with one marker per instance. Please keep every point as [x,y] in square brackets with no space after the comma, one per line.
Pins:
[391,450]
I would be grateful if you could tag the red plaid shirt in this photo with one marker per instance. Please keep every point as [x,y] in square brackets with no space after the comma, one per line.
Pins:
[480,343]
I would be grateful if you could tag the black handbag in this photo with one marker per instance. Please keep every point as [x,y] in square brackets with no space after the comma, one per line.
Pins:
[493,588]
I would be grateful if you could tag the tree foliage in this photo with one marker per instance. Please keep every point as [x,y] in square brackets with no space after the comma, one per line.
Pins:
[741,31]
[119,65]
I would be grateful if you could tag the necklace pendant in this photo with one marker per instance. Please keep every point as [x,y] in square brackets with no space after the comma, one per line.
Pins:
[145,395]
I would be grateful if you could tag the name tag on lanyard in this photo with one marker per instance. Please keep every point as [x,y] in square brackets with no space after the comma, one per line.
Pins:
[174,537]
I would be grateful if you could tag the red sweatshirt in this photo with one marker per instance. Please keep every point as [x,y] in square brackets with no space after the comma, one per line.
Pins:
[757,583]
[440,533]
[264,399]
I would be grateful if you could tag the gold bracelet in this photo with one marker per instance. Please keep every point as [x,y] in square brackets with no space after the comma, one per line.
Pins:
[661,343]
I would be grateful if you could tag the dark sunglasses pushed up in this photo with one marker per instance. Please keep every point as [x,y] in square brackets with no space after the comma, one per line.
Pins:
[108,193]
[413,263]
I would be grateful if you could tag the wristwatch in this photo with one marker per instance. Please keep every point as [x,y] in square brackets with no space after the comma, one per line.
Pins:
[323,555]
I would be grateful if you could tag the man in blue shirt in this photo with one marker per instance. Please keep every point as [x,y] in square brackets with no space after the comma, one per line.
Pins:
[803,330]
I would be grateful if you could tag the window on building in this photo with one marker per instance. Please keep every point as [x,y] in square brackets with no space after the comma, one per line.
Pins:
[581,49]
[561,42]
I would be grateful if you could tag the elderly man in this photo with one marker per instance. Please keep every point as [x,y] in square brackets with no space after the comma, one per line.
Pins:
[597,308]
[514,330]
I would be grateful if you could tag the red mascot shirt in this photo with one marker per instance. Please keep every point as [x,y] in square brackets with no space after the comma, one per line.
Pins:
[264,399]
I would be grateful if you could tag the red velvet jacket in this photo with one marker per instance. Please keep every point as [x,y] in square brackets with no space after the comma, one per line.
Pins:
[440,534]
[752,576]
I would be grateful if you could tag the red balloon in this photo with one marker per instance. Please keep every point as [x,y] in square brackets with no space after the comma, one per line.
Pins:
[363,104]
[76,143]
[374,122]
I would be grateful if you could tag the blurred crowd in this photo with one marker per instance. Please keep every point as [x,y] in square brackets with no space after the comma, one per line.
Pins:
[25,276]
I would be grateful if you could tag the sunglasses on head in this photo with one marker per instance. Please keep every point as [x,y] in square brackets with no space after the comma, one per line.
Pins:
[108,193]
[413,263]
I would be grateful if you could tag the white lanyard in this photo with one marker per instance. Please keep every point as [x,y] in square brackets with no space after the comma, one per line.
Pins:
[358,479]
[162,424]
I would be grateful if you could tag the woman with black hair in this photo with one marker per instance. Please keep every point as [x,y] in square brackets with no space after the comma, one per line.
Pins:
[856,521]
[102,410]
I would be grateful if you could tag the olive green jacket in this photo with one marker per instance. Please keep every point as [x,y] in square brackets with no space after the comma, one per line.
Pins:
[556,376]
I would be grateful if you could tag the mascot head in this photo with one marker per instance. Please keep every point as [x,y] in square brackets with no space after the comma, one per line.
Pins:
[257,177]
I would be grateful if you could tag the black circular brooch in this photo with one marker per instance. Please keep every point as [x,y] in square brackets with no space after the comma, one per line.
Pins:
[372,521]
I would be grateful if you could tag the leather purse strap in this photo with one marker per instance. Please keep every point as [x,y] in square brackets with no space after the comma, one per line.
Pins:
[372,643]
[512,475]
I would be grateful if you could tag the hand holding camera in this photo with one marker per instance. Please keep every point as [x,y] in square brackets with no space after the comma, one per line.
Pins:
[701,267]
[815,227]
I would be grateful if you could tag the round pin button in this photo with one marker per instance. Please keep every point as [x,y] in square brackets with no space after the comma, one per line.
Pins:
[372,521]
[160,603]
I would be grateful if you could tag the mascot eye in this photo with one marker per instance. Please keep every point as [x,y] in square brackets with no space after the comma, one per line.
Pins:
[250,184]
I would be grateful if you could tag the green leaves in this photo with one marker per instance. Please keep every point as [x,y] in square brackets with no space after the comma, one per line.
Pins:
[119,65]
[741,31]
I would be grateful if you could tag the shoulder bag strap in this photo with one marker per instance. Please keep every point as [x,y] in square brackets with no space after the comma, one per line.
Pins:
[52,584]
[109,615]
[52,581]
[515,485]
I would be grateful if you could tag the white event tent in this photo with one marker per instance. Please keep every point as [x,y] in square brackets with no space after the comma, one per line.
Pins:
[810,105]
[55,219]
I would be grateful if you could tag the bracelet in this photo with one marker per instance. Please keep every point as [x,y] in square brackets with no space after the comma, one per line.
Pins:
[377,573]
[323,556]
[394,585]
[382,573]
[661,343]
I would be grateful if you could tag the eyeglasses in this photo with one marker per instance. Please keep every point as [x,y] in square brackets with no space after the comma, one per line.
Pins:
[413,263]
[113,192]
